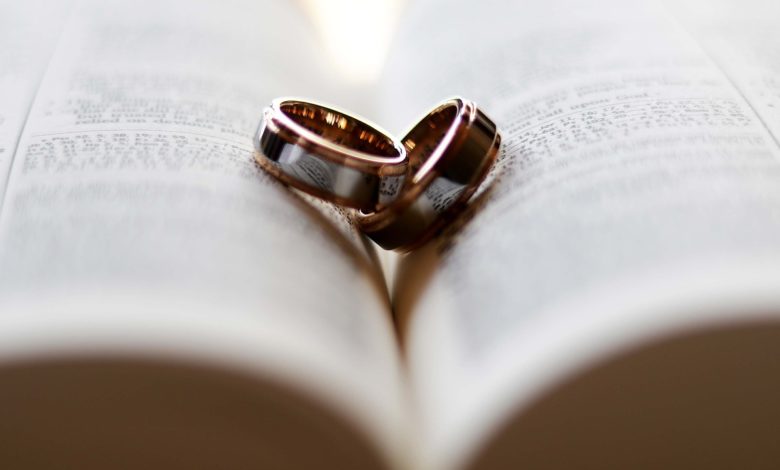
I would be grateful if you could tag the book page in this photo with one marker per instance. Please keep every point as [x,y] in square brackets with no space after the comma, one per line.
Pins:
[740,38]
[636,196]
[135,220]
[28,33]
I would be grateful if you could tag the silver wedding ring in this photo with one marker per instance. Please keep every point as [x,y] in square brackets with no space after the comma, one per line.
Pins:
[450,151]
[328,153]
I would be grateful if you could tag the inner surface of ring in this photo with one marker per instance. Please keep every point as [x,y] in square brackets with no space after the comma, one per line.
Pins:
[340,129]
[423,139]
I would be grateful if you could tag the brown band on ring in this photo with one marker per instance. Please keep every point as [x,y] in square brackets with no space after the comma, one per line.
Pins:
[450,152]
[328,153]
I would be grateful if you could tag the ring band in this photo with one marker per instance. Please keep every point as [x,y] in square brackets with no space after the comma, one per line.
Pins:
[328,153]
[450,152]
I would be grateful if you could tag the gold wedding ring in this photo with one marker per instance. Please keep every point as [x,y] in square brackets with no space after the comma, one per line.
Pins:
[329,154]
[450,152]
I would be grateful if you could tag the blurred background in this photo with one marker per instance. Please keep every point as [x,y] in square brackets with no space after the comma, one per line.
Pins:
[356,34]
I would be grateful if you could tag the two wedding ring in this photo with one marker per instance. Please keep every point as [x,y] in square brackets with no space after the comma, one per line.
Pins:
[404,192]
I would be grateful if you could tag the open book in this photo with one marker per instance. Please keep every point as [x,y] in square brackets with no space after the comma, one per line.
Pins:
[610,300]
